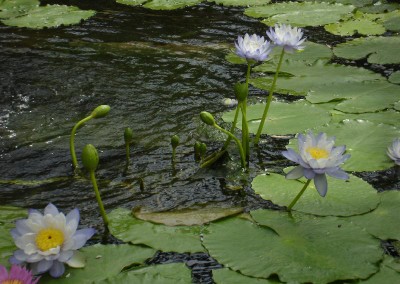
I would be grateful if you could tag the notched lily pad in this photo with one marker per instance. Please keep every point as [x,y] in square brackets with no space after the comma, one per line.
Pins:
[186,217]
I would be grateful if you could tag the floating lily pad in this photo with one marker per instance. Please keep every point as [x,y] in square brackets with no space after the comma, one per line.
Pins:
[393,263]
[283,118]
[387,273]
[357,3]
[300,14]
[356,26]
[395,77]
[49,16]
[344,198]
[131,2]
[173,273]
[397,106]
[379,7]
[187,217]
[390,117]
[8,216]
[384,221]
[378,50]
[365,141]
[228,276]
[170,4]
[129,229]
[298,248]
[103,261]
[15,8]
[392,24]
[241,2]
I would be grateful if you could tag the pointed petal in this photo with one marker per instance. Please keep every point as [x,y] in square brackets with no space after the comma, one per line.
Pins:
[321,184]
[309,173]
[81,236]
[51,209]
[295,173]
[338,173]
[72,220]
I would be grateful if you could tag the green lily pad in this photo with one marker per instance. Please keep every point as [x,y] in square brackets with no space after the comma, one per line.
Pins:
[361,26]
[383,222]
[50,16]
[300,14]
[240,2]
[173,273]
[395,77]
[379,7]
[378,50]
[385,275]
[170,4]
[283,118]
[397,106]
[390,117]
[8,216]
[15,8]
[129,229]
[392,24]
[393,263]
[103,261]
[365,141]
[228,276]
[357,3]
[131,2]
[344,198]
[298,247]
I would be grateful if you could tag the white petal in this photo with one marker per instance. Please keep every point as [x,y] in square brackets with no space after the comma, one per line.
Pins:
[72,220]
[51,209]
[77,260]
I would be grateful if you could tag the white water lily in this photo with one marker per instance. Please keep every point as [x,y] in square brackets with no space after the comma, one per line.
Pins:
[393,151]
[47,241]
[253,47]
[318,157]
[289,38]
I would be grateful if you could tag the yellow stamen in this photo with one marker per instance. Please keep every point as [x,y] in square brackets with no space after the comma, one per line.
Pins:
[49,238]
[12,281]
[318,153]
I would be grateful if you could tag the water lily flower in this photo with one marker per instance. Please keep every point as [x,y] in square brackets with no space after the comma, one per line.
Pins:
[17,275]
[318,157]
[47,241]
[287,37]
[393,151]
[253,47]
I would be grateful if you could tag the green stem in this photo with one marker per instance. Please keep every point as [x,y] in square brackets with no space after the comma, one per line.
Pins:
[98,198]
[242,157]
[173,154]
[127,150]
[72,140]
[271,92]
[299,195]
[245,126]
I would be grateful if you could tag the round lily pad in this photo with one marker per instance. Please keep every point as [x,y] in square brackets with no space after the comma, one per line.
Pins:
[395,77]
[131,2]
[240,2]
[390,117]
[228,276]
[283,118]
[356,26]
[344,198]
[297,247]
[16,8]
[170,4]
[365,141]
[129,229]
[384,221]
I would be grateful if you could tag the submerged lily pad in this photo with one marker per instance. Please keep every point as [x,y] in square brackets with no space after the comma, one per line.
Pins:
[378,50]
[241,2]
[170,4]
[300,14]
[383,222]
[129,229]
[228,276]
[365,141]
[8,216]
[344,198]
[283,118]
[298,248]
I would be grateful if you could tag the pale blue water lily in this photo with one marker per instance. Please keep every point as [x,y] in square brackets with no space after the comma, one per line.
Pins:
[393,151]
[46,241]
[317,157]
[253,47]
[290,38]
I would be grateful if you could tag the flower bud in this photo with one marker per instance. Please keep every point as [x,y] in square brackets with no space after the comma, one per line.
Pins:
[90,157]
[241,91]
[197,150]
[207,118]
[128,135]
[100,111]
[203,149]
[174,141]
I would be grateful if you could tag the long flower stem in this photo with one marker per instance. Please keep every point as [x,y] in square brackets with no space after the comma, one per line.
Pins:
[242,157]
[98,198]
[245,126]
[72,140]
[127,150]
[299,195]
[271,92]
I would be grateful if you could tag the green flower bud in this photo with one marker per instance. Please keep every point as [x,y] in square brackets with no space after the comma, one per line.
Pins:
[128,135]
[207,118]
[90,157]
[203,149]
[174,141]
[197,150]
[100,111]
[241,91]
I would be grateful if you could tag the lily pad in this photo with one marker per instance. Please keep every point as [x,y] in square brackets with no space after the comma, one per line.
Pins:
[173,273]
[390,117]
[395,77]
[170,4]
[344,198]
[392,24]
[377,50]
[15,8]
[361,26]
[365,141]
[186,217]
[300,14]
[240,2]
[129,229]
[103,261]
[49,16]
[385,275]
[283,118]
[298,247]
[228,276]
[379,7]
[8,216]
[131,2]
[383,222]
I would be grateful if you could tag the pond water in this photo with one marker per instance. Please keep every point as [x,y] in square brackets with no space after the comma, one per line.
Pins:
[157,70]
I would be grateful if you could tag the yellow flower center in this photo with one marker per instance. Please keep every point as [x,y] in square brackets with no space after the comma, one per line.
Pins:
[12,281]
[318,153]
[49,238]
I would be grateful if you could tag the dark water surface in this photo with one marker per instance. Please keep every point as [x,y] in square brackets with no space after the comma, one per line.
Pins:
[157,70]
